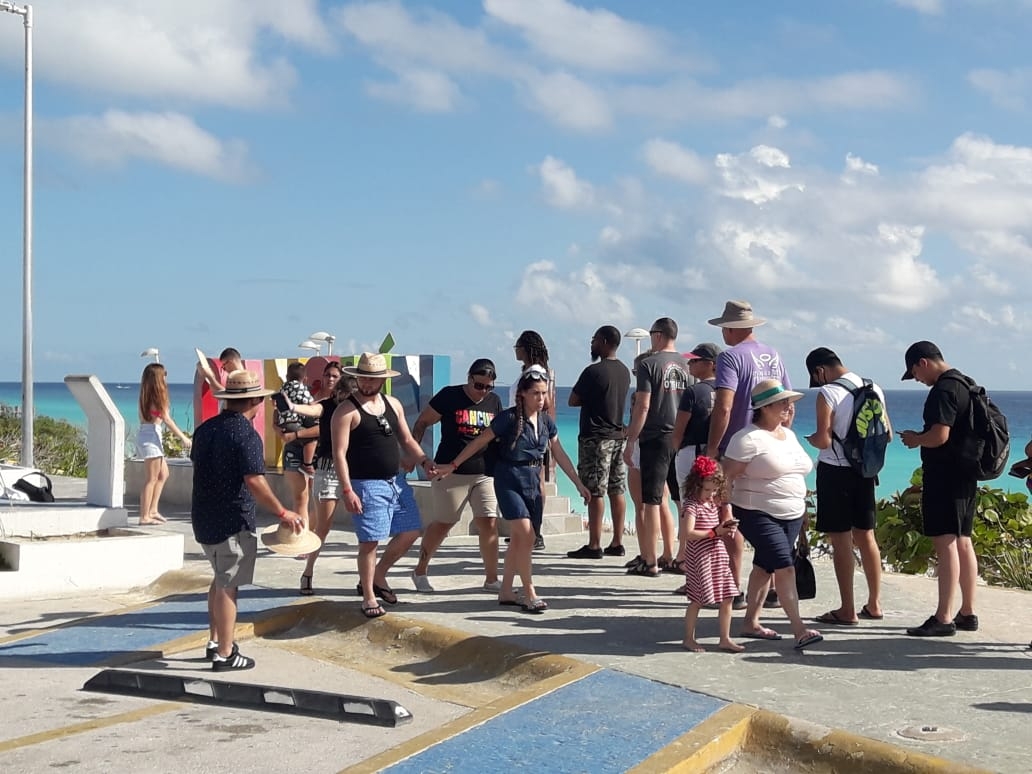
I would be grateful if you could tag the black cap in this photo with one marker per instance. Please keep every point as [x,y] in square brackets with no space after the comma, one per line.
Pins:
[917,351]
[705,351]
[483,367]
[822,356]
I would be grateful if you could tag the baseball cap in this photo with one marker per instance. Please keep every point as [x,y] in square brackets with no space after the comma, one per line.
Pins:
[917,351]
[706,351]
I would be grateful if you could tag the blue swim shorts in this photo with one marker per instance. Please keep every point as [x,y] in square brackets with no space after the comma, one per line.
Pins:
[388,508]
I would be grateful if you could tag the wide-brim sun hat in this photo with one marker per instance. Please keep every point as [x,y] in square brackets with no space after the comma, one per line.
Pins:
[737,314]
[243,384]
[771,391]
[372,365]
[282,539]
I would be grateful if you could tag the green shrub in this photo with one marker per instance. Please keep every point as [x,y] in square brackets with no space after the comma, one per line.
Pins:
[59,447]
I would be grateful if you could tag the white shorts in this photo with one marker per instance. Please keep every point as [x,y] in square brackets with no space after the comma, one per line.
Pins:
[148,442]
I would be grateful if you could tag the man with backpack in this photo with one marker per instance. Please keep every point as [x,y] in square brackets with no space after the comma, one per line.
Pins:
[949,486]
[852,431]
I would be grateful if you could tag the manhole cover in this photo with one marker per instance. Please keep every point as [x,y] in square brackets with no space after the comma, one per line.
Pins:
[931,733]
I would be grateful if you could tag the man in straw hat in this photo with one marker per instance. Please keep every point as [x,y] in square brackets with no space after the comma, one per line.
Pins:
[742,366]
[228,477]
[370,440]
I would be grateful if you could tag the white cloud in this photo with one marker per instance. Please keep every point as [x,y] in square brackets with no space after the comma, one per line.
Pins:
[424,90]
[562,187]
[171,139]
[581,296]
[929,7]
[777,122]
[188,50]
[850,332]
[1008,89]
[480,315]
[857,167]
[756,176]
[671,160]
[990,281]
[569,101]
[594,39]
[974,317]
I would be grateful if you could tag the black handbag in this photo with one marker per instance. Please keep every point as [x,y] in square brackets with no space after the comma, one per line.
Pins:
[805,579]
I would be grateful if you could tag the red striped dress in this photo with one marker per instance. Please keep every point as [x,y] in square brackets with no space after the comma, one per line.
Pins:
[707,565]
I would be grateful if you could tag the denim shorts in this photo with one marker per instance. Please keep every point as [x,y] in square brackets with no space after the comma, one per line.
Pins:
[772,539]
[388,508]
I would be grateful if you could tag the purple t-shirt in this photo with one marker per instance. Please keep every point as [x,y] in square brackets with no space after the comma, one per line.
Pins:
[741,368]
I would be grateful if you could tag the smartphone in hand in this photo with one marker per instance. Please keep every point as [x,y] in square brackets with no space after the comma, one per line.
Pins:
[280,400]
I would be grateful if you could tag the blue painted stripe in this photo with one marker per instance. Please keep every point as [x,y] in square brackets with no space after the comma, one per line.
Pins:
[607,722]
[96,640]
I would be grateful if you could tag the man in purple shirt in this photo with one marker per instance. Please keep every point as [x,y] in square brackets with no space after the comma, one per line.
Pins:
[744,364]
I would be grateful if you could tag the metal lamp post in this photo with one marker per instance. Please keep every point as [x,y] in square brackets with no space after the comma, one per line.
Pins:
[637,334]
[329,338]
[28,403]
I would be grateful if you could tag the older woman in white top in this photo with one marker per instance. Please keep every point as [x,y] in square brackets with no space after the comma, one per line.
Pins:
[766,467]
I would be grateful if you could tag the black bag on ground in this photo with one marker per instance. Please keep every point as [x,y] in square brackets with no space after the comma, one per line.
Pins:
[37,485]
[805,579]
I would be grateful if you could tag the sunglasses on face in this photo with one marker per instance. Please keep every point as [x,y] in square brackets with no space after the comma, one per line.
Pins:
[385,426]
[482,387]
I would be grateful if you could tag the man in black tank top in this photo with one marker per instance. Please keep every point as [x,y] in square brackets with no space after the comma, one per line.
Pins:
[371,441]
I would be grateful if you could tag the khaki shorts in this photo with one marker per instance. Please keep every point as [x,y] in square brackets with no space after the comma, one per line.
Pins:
[454,493]
[233,560]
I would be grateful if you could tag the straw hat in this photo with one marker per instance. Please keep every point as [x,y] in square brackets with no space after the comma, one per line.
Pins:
[737,314]
[373,365]
[243,384]
[771,391]
[281,539]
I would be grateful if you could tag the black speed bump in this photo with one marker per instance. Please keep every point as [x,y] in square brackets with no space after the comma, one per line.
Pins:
[293,701]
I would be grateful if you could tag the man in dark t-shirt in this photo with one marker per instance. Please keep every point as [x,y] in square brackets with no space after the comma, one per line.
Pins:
[947,492]
[601,393]
[228,477]
[464,411]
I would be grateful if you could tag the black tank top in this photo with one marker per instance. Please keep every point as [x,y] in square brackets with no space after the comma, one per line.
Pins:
[324,449]
[371,454]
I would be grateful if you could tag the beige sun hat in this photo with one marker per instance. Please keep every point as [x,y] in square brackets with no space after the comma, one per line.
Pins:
[243,384]
[737,314]
[281,539]
[372,365]
[771,391]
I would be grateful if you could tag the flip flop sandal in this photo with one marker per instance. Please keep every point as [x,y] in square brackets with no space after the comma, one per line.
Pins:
[385,594]
[646,570]
[369,611]
[810,639]
[761,634]
[831,617]
[868,615]
[306,586]
[534,606]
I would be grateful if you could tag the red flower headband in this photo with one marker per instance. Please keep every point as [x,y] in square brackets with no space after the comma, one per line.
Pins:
[704,467]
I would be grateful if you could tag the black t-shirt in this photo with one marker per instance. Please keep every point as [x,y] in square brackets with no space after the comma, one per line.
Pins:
[946,404]
[698,401]
[462,420]
[602,388]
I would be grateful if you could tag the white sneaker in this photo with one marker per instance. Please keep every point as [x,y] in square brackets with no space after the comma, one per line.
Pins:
[422,583]
[493,587]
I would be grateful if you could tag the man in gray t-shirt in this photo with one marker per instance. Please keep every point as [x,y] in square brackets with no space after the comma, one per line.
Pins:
[661,380]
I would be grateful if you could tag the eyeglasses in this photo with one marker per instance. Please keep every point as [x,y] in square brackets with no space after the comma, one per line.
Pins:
[385,426]
[481,387]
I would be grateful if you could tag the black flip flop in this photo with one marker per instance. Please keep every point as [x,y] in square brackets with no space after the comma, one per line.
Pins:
[367,611]
[867,615]
[831,617]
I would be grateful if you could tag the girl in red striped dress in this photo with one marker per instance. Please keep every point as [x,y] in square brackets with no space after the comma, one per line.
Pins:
[707,522]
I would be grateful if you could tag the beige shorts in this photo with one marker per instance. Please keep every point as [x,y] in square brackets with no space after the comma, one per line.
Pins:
[451,495]
[232,560]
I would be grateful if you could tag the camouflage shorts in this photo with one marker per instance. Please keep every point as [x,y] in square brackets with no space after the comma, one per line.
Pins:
[601,467]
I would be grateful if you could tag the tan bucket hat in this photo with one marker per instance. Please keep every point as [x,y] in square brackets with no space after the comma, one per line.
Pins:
[372,365]
[243,384]
[771,391]
[281,539]
[737,314]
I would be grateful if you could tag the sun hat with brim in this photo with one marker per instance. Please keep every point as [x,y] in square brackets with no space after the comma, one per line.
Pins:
[282,539]
[243,384]
[737,314]
[372,365]
[771,391]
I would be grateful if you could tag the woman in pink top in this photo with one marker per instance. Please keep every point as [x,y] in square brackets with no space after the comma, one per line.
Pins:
[154,412]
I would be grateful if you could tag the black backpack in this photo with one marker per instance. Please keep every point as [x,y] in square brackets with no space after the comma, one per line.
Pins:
[868,434]
[984,446]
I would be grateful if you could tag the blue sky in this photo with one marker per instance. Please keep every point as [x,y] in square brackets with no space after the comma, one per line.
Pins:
[247,172]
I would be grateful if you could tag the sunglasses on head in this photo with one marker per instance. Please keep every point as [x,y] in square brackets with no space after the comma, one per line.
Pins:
[535,376]
[385,426]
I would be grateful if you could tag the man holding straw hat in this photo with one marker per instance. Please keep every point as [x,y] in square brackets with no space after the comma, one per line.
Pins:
[228,479]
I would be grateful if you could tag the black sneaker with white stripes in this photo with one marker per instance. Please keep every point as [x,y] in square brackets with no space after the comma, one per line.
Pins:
[235,660]
[211,650]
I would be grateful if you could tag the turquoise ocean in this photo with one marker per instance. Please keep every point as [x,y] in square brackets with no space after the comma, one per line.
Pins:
[53,399]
